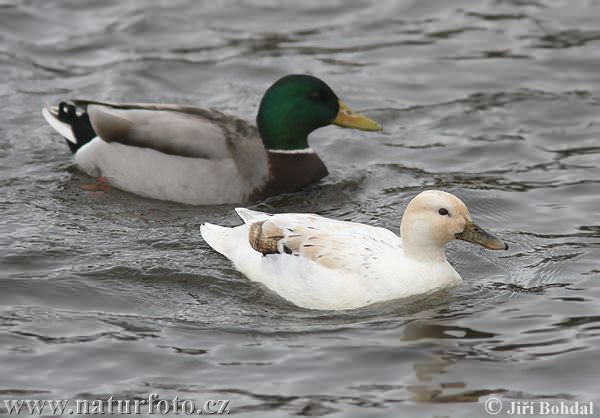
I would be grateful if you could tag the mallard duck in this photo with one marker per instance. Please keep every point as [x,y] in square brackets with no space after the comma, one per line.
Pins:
[203,156]
[320,263]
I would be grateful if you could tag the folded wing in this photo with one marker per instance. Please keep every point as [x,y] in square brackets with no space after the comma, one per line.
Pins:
[333,244]
[172,129]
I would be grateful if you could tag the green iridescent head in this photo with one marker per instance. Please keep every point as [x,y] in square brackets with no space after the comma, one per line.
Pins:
[296,105]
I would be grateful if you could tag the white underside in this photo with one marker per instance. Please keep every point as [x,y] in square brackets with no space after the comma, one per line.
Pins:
[147,172]
[361,277]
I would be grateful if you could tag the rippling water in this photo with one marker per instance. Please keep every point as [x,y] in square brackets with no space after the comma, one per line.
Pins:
[497,101]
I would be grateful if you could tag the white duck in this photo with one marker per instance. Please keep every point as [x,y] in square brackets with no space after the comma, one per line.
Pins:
[320,263]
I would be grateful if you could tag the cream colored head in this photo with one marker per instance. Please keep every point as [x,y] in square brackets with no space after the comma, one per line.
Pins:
[434,218]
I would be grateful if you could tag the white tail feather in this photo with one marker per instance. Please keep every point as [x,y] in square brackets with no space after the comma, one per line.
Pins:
[251,216]
[216,236]
[62,128]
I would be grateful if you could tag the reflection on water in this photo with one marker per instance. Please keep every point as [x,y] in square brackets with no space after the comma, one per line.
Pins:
[104,293]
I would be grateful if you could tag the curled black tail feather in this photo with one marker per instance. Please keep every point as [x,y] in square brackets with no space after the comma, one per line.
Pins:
[80,125]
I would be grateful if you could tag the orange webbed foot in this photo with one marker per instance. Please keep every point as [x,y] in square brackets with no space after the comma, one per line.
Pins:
[100,186]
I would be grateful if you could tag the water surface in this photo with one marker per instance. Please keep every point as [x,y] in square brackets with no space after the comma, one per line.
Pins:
[106,293]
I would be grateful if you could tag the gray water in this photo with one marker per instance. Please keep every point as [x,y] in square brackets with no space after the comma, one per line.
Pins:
[106,293]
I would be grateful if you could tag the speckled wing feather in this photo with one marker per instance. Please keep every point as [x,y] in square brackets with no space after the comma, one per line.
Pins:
[333,244]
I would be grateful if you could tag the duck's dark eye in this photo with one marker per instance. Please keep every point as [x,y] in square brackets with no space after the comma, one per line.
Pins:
[443,211]
[317,95]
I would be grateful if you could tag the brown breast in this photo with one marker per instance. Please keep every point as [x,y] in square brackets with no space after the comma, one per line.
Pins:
[290,172]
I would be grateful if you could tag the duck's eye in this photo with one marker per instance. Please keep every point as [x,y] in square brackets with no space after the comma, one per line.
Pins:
[443,211]
[317,95]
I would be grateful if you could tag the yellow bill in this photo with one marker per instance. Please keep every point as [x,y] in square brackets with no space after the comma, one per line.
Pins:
[348,119]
